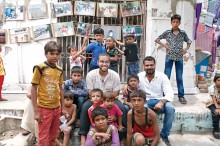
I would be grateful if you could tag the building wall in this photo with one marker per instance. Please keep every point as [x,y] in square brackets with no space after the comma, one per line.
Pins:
[20,58]
[158,21]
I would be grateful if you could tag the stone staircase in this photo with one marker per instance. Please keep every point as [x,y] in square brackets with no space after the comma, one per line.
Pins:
[192,125]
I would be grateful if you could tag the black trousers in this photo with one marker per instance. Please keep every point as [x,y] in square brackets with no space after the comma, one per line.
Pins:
[215,118]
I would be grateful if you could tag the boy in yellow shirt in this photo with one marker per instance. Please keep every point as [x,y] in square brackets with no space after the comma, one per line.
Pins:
[47,95]
[2,75]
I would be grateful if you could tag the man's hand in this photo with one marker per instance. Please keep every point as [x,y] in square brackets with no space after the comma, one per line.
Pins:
[120,128]
[37,116]
[183,51]
[217,111]
[159,106]
[165,46]
[125,90]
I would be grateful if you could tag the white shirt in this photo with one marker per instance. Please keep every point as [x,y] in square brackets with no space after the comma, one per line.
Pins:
[75,61]
[158,86]
[110,83]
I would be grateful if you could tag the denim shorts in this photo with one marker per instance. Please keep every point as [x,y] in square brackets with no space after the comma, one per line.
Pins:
[133,68]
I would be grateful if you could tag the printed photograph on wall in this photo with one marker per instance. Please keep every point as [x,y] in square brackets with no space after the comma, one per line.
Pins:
[19,35]
[63,29]
[93,27]
[62,9]
[107,10]
[14,13]
[37,11]
[136,30]
[2,36]
[84,8]
[112,31]
[131,9]
[42,32]
[83,29]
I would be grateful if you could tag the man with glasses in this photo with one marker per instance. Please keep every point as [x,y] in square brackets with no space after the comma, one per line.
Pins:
[107,80]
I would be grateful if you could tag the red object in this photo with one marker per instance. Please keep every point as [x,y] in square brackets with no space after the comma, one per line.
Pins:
[1,83]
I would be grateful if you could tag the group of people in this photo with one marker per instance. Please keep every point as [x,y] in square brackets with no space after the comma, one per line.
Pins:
[94,104]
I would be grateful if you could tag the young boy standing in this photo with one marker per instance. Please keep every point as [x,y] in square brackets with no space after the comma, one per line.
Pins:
[96,48]
[102,134]
[175,51]
[142,127]
[2,75]
[47,95]
[78,86]
[131,54]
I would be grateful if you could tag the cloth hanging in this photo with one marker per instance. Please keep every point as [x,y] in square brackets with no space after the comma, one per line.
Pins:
[198,12]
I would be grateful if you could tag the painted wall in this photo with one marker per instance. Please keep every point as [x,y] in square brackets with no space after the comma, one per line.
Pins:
[158,20]
[20,58]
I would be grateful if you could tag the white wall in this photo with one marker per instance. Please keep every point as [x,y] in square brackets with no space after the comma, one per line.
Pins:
[20,58]
[157,25]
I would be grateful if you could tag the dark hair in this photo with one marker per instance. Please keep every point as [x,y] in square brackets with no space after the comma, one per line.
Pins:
[129,35]
[149,58]
[52,46]
[132,76]
[69,47]
[216,78]
[176,16]
[99,111]
[97,90]
[69,94]
[108,95]
[103,54]
[76,69]
[99,31]
[138,93]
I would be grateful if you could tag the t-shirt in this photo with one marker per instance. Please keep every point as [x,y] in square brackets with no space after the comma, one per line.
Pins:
[131,52]
[75,61]
[114,111]
[2,69]
[112,52]
[48,92]
[90,113]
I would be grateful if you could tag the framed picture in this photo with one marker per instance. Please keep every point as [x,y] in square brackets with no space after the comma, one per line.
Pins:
[19,35]
[83,28]
[2,36]
[84,8]
[42,32]
[107,10]
[62,9]
[136,30]
[14,13]
[63,29]
[112,31]
[37,11]
[131,9]
[93,27]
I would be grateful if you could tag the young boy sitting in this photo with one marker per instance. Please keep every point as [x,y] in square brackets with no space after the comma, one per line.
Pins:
[114,114]
[214,105]
[68,118]
[78,86]
[132,85]
[131,54]
[97,100]
[102,134]
[142,127]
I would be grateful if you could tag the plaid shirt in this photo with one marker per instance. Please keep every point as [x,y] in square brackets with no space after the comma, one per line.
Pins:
[79,90]
[175,43]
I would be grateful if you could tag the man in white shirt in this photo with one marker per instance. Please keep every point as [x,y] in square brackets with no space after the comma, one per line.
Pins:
[159,94]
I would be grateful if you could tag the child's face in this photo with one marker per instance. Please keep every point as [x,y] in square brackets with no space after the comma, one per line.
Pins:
[99,37]
[138,103]
[100,122]
[73,51]
[109,42]
[52,57]
[175,23]
[76,77]
[68,102]
[109,103]
[96,98]
[129,40]
[217,84]
[133,83]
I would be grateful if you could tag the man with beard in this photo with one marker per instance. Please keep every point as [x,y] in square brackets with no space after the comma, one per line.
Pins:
[159,94]
[107,80]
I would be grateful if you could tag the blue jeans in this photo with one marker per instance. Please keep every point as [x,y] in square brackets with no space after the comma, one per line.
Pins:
[169,111]
[79,102]
[84,118]
[179,74]
[133,68]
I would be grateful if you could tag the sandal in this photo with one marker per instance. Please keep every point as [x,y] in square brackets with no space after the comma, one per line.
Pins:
[182,100]
[3,99]
[25,132]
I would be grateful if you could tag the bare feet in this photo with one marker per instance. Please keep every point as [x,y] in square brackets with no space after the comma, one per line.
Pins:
[3,99]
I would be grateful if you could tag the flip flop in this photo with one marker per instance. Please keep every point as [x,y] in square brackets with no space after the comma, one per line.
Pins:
[25,132]
[3,99]
[182,100]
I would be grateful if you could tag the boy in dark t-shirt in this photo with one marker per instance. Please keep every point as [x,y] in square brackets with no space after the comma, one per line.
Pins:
[131,54]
